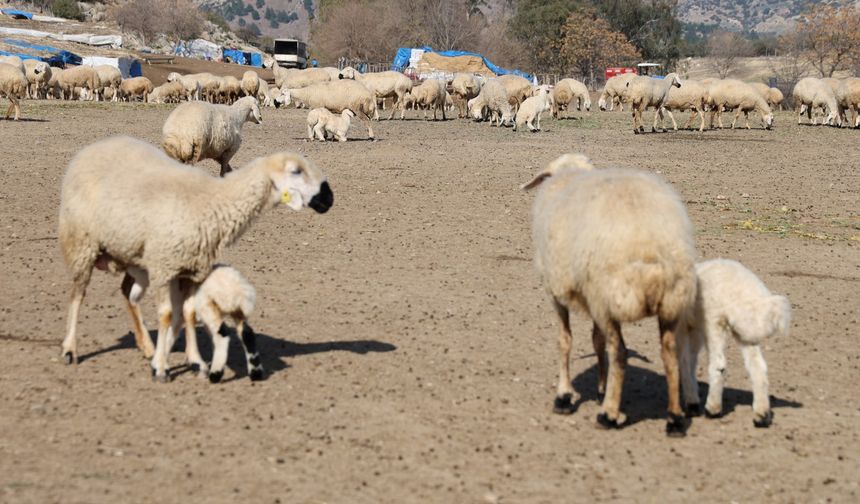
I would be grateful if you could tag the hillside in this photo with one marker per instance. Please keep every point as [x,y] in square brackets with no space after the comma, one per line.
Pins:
[760,16]
[272,18]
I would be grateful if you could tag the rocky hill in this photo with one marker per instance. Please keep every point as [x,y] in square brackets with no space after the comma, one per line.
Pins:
[760,16]
[272,18]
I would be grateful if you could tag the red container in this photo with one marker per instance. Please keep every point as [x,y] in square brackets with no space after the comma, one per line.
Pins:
[613,71]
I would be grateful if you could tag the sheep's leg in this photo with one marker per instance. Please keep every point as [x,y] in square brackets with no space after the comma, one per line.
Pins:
[70,343]
[192,352]
[249,343]
[720,116]
[310,133]
[562,404]
[610,415]
[635,129]
[133,288]
[220,344]
[702,118]
[537,122]
[676,425]
[747,119]
[598,341]
[170,312]
[757,369]
[737,116]
[716,341]
[689,345]
[674,123]
[319,132]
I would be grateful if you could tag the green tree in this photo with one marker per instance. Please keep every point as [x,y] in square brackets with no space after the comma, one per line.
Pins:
[67,9]
[652,26]
[261,3]
[537,26]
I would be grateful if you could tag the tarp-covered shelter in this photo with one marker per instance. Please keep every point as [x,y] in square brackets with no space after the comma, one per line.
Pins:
[428,62]
[243,57]
[54,55]
[16,14]
[128,67]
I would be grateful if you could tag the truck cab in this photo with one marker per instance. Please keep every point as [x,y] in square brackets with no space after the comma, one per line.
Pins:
[291,53]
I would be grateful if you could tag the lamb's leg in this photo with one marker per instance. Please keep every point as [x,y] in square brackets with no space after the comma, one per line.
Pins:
[319,132]
[716,342]
[214,319]
[757,369]
[562,404]
[598,341]
[249,343]
[702,118]
[635,129]
[676,425]
[192,352]
[310,133]
[610,415]
[133,289]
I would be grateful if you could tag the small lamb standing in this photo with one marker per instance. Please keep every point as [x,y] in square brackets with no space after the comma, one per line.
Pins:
[322,123]
[731,302]
[13,85]
[198,130]
[38,74]
[618,245]
[531,109]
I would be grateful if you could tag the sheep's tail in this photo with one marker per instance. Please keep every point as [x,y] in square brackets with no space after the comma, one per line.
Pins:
[178,149]
[753,322]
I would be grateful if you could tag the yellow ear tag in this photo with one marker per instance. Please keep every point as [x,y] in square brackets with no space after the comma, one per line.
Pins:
[286,198]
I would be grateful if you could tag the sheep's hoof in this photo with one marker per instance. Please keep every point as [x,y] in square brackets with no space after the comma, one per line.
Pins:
[256,374]
[215,376]
[562,405]
[604,421]
[636,131]
[159,378]
[69,358]
[708,414]
[676,426]
[765,421]
[693,410]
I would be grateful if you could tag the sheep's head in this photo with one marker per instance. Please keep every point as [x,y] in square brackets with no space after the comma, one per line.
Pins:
[253,106]
[283,98]
[565,162]
[347,113]
[347,73]
[172,76]
[674,79]
[296,182]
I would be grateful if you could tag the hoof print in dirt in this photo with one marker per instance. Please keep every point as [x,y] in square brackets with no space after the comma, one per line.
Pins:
[604,421]
[562,405]
[215,376]
[676,426]
[765,421]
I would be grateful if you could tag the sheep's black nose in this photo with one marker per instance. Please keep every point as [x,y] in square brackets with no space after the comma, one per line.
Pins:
[322,200]
[340,76]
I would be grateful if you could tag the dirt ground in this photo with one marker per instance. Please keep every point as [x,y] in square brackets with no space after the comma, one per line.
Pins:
[410,350]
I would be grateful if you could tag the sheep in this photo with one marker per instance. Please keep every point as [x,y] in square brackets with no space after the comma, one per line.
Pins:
[198,130]
[15,61]
[110,78]
[154,214]
[492,99]
[383,85]
[251,83]
[83,77]
[848,97]
[231,89]
[190,83]
[430,93]
[772,95]
[294,78]
[135,87]
[567,91]
[741,97]
[618,245]
[531,109]
[169,92]
[13,85]
[731,301]
[53,89]
[809,94]
[644,92]
[613,91]
[518,89]
[464,87]
[38,75]
[322,123]
[690,96]
[336,96]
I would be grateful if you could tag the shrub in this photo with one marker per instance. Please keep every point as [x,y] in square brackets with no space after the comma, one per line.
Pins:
[67,9]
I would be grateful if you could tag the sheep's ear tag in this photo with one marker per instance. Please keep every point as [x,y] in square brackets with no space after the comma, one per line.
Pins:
[286,198]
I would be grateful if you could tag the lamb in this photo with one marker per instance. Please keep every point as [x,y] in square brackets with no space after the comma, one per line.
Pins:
[383,85]
[198,130]
[518,89]
[430,93]
[644,92]
[172,221]
[110,78]
[810,94]
[848,96]
[492,99]
[772,95]
[251,83]
[613,91]
[618,245]
[169,92]
[13,85]
[336,96]
[531,109]
[464,87]
[190,83]
[83,77]
[135,87]
[567,91]
[741,97]
[731,301]
[38,75]
[690,96]
[322,123]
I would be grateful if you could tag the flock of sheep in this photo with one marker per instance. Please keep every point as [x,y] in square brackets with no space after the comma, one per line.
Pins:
[633,222]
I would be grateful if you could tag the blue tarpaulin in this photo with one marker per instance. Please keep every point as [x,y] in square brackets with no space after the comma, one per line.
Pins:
[51,60]
[401,60]
[17,14]
[65,56]
[244,58]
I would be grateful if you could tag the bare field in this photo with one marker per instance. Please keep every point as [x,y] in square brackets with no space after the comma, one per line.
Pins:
[410,350]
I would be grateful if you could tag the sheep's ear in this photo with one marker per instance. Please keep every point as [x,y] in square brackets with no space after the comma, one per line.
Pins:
[576,162]
[539,178]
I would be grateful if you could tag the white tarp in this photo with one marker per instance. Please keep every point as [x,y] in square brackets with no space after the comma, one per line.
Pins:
[83,38]
[199,48]
[123,64]
[415,57]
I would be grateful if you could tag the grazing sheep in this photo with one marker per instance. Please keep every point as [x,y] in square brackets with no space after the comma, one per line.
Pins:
[848,97]
[567,91]
[464,87]
[231,89]
[53,89]
[172,221]
[83,77]
[518,89]
[613,92]
[771,95]
[492,100]
[135,87]
[336,96]
[190,83]
[322,123]
[644,92]
[294,78]
[618,245]
[741,97]
[198,130]
[110,78]
[13,85]
[430,93]
[38,75]
[15,61]
[169,92]
[251,83]
[531,109]
[691,96]
[731,302]
[388,84]
[809,94]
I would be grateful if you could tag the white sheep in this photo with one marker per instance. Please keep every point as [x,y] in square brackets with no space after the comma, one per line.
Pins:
[336,96]
[773,96]
[294,78]
[464,87]
[430,93]
[618,245]
[740,97]
[53,89]
[848,97]
[169,92]
[131,89]
[567,91]
[492,101]
[167,219]
[13,85]
[250,83]
[15,61]
[689,96]
[231,89]
[83,77]
[613,91]
[190,83]
[388,84]
[198,130]
[38,75]
[531,109]
[517,88]
[110,78]
[322,123]
[731,302]
[643,92]
[809,94]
